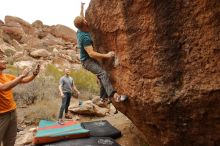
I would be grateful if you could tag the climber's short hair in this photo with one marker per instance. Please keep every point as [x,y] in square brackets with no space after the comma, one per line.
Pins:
[79,21]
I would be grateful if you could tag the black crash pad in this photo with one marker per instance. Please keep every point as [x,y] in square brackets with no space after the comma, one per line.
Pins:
[92,141]
[101,128]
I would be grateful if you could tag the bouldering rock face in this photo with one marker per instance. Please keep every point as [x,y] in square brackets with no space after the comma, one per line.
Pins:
[168,62]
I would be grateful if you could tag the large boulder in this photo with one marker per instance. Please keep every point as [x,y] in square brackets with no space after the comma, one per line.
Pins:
[168,63]
[25,137]
[38,24]
[40,53]
[50,40]
[18,55]
[89,108]
[12,32]
[10,20]
[46,42]
[63,32]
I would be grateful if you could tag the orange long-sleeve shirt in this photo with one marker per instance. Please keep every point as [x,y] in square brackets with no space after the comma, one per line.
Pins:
[7,102]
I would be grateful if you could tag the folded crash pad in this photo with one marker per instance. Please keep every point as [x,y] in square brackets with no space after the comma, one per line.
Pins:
[49,131]
[101,128]
[92,141]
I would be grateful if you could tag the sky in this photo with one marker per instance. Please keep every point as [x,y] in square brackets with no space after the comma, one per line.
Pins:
[50,12]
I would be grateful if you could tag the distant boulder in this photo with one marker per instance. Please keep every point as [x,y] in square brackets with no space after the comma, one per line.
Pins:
[63,32]
[40,53]
[50,40]
[25,43]
[37,24]
[18,55]
[10,32]
[25,25]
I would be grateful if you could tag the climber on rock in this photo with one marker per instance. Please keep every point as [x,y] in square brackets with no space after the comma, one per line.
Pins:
[89,57]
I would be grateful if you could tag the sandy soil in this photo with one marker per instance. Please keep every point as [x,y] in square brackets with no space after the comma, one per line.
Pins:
[130,134]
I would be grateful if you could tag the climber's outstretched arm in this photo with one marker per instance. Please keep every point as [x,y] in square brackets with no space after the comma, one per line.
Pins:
[82,9]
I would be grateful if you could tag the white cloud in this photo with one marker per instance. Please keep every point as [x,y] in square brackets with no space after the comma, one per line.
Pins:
[51,12]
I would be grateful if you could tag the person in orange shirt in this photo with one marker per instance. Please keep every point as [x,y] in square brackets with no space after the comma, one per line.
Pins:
[8,119]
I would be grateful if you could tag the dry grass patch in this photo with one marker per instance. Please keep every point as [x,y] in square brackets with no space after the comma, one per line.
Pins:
[44,109]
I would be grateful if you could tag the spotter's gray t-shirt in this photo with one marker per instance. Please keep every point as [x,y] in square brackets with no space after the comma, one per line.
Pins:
[66,83]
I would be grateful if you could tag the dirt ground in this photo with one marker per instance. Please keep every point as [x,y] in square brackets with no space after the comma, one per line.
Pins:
[130,134]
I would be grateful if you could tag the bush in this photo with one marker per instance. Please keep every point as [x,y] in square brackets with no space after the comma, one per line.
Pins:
[52,71]
[45,109]
[42,93]
[84,80]
[42,88]
[9,52]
